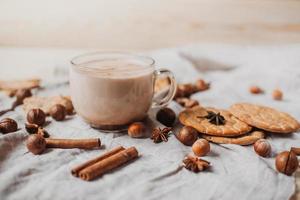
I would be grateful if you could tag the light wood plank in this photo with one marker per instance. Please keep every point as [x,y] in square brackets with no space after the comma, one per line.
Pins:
[137,24]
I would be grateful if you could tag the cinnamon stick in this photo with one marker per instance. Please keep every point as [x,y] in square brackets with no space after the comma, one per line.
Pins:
[296,150]
[75,171]
[73,143]
[108,164]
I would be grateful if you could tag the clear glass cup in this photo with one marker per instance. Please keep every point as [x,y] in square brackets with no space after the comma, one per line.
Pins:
[110,90]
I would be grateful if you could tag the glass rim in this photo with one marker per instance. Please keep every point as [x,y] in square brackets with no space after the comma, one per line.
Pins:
[82,65]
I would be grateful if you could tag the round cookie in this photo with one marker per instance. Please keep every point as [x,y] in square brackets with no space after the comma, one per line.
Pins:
[265,118]
[195,117]
[13,85]
[240,140]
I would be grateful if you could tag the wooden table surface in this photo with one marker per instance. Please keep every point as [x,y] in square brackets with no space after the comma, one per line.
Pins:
[143,24]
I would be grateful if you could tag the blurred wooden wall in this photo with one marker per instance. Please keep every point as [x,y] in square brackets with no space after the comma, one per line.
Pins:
[146,24]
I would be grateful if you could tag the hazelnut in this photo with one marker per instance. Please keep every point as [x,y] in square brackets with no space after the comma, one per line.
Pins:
[201,147]
[31,128]
[187,135]
[58,112]
[166,116]
[201,85]
[36,116]
[262,147]
[277,95]
[36,144]
[21,94]
[255,90]
[137,130]
[286,162]
[8,125]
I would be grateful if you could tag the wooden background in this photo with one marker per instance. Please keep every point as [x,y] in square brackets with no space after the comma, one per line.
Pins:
[148,24]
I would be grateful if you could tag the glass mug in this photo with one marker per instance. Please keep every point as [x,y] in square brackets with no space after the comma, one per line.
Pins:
[110,90]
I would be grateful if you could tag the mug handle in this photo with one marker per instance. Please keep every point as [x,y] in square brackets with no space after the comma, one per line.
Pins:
[171,91]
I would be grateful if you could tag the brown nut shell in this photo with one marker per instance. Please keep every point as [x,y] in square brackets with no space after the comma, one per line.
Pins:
[36,116]
[201,147]
[255,90]
[277,95]
[262,147]
[166,116]
[137,130]
[286,162]
[58,112]
[31,128]
[8,125]
[36,144]
[187,135]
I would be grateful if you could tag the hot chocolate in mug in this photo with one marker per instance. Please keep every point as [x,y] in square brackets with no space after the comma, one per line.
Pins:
[110,90]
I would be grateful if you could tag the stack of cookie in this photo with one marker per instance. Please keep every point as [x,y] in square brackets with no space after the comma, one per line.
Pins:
[242,124]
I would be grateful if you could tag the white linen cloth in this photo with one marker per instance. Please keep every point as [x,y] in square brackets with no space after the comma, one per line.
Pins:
[237,172]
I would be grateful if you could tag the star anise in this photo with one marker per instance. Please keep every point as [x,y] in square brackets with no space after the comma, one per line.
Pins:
[195,164]
[159,135]
[214,118]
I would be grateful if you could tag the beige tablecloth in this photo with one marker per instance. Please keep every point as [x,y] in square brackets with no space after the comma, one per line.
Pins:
[236,172]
